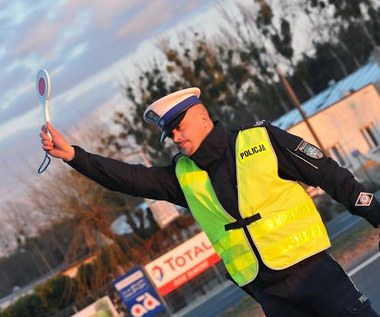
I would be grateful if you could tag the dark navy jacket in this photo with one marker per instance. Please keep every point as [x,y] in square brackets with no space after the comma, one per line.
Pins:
[216,155]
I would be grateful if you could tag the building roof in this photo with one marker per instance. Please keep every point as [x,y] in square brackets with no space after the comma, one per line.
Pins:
[367,74]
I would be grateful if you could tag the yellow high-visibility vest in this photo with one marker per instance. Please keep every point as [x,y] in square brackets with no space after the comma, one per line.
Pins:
[289,228]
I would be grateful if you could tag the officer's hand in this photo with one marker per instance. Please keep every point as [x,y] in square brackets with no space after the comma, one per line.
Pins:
[56,146]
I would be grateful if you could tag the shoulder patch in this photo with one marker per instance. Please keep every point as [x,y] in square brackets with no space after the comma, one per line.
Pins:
[364,199]
[310,150]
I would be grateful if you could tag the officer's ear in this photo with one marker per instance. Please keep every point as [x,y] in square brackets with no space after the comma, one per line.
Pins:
[205,116]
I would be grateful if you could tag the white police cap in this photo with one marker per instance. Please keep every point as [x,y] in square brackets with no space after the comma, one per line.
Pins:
[167,112]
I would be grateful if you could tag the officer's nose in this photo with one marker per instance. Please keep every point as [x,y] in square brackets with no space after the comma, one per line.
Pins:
[176,136]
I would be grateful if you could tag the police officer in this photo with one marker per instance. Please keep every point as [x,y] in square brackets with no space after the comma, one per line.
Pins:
[242,187]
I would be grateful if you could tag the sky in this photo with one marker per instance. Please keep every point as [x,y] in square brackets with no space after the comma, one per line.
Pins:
[88,47]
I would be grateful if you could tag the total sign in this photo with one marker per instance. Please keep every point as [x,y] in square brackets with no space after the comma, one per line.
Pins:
[138,294]
[182,264]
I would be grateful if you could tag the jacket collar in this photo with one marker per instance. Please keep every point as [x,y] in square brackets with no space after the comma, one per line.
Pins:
[212,148]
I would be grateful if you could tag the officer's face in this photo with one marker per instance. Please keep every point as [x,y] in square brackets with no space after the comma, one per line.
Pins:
[192,130]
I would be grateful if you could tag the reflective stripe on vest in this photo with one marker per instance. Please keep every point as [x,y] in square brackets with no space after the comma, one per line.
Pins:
[231,246]
[290,228]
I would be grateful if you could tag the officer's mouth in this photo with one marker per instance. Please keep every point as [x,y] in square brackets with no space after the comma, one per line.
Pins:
[182,148]
[179,145]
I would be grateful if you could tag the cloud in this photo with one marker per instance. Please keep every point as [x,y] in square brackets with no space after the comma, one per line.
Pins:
[155,17]
[88,47]
[38,37]
[144,20]
[103,15]
[76,101]
[20,123]
[14,13]
[20,104]
[81,53]
[9,83]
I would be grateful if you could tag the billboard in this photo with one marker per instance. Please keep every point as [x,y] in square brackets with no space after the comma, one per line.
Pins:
[182,264]
[138,294]
[163,212]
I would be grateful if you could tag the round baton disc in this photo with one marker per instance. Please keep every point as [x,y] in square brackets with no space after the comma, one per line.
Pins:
[43,85]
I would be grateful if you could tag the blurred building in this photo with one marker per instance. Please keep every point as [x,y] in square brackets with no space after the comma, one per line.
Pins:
[345,117]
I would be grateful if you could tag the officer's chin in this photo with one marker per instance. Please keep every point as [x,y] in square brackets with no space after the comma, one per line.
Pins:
[184,151]
[188,151]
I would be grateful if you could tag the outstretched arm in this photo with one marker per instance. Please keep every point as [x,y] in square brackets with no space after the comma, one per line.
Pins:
[302,161]
[137,180]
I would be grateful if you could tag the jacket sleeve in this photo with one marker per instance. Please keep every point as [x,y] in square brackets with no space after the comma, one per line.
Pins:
[301,161]
[158,183]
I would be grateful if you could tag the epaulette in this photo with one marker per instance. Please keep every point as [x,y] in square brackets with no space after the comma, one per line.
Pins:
[254,124]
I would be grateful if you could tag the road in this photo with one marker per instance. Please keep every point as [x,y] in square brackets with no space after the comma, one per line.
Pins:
[365,275]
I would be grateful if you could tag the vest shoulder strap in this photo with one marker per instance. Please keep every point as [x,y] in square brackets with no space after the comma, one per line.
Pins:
[252,124]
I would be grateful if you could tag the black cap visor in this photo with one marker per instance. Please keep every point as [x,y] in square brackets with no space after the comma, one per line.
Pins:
[168,128]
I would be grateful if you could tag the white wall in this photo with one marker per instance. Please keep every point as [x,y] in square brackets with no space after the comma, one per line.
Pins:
[341,123]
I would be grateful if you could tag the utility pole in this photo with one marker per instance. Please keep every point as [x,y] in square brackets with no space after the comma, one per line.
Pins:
[296,102]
